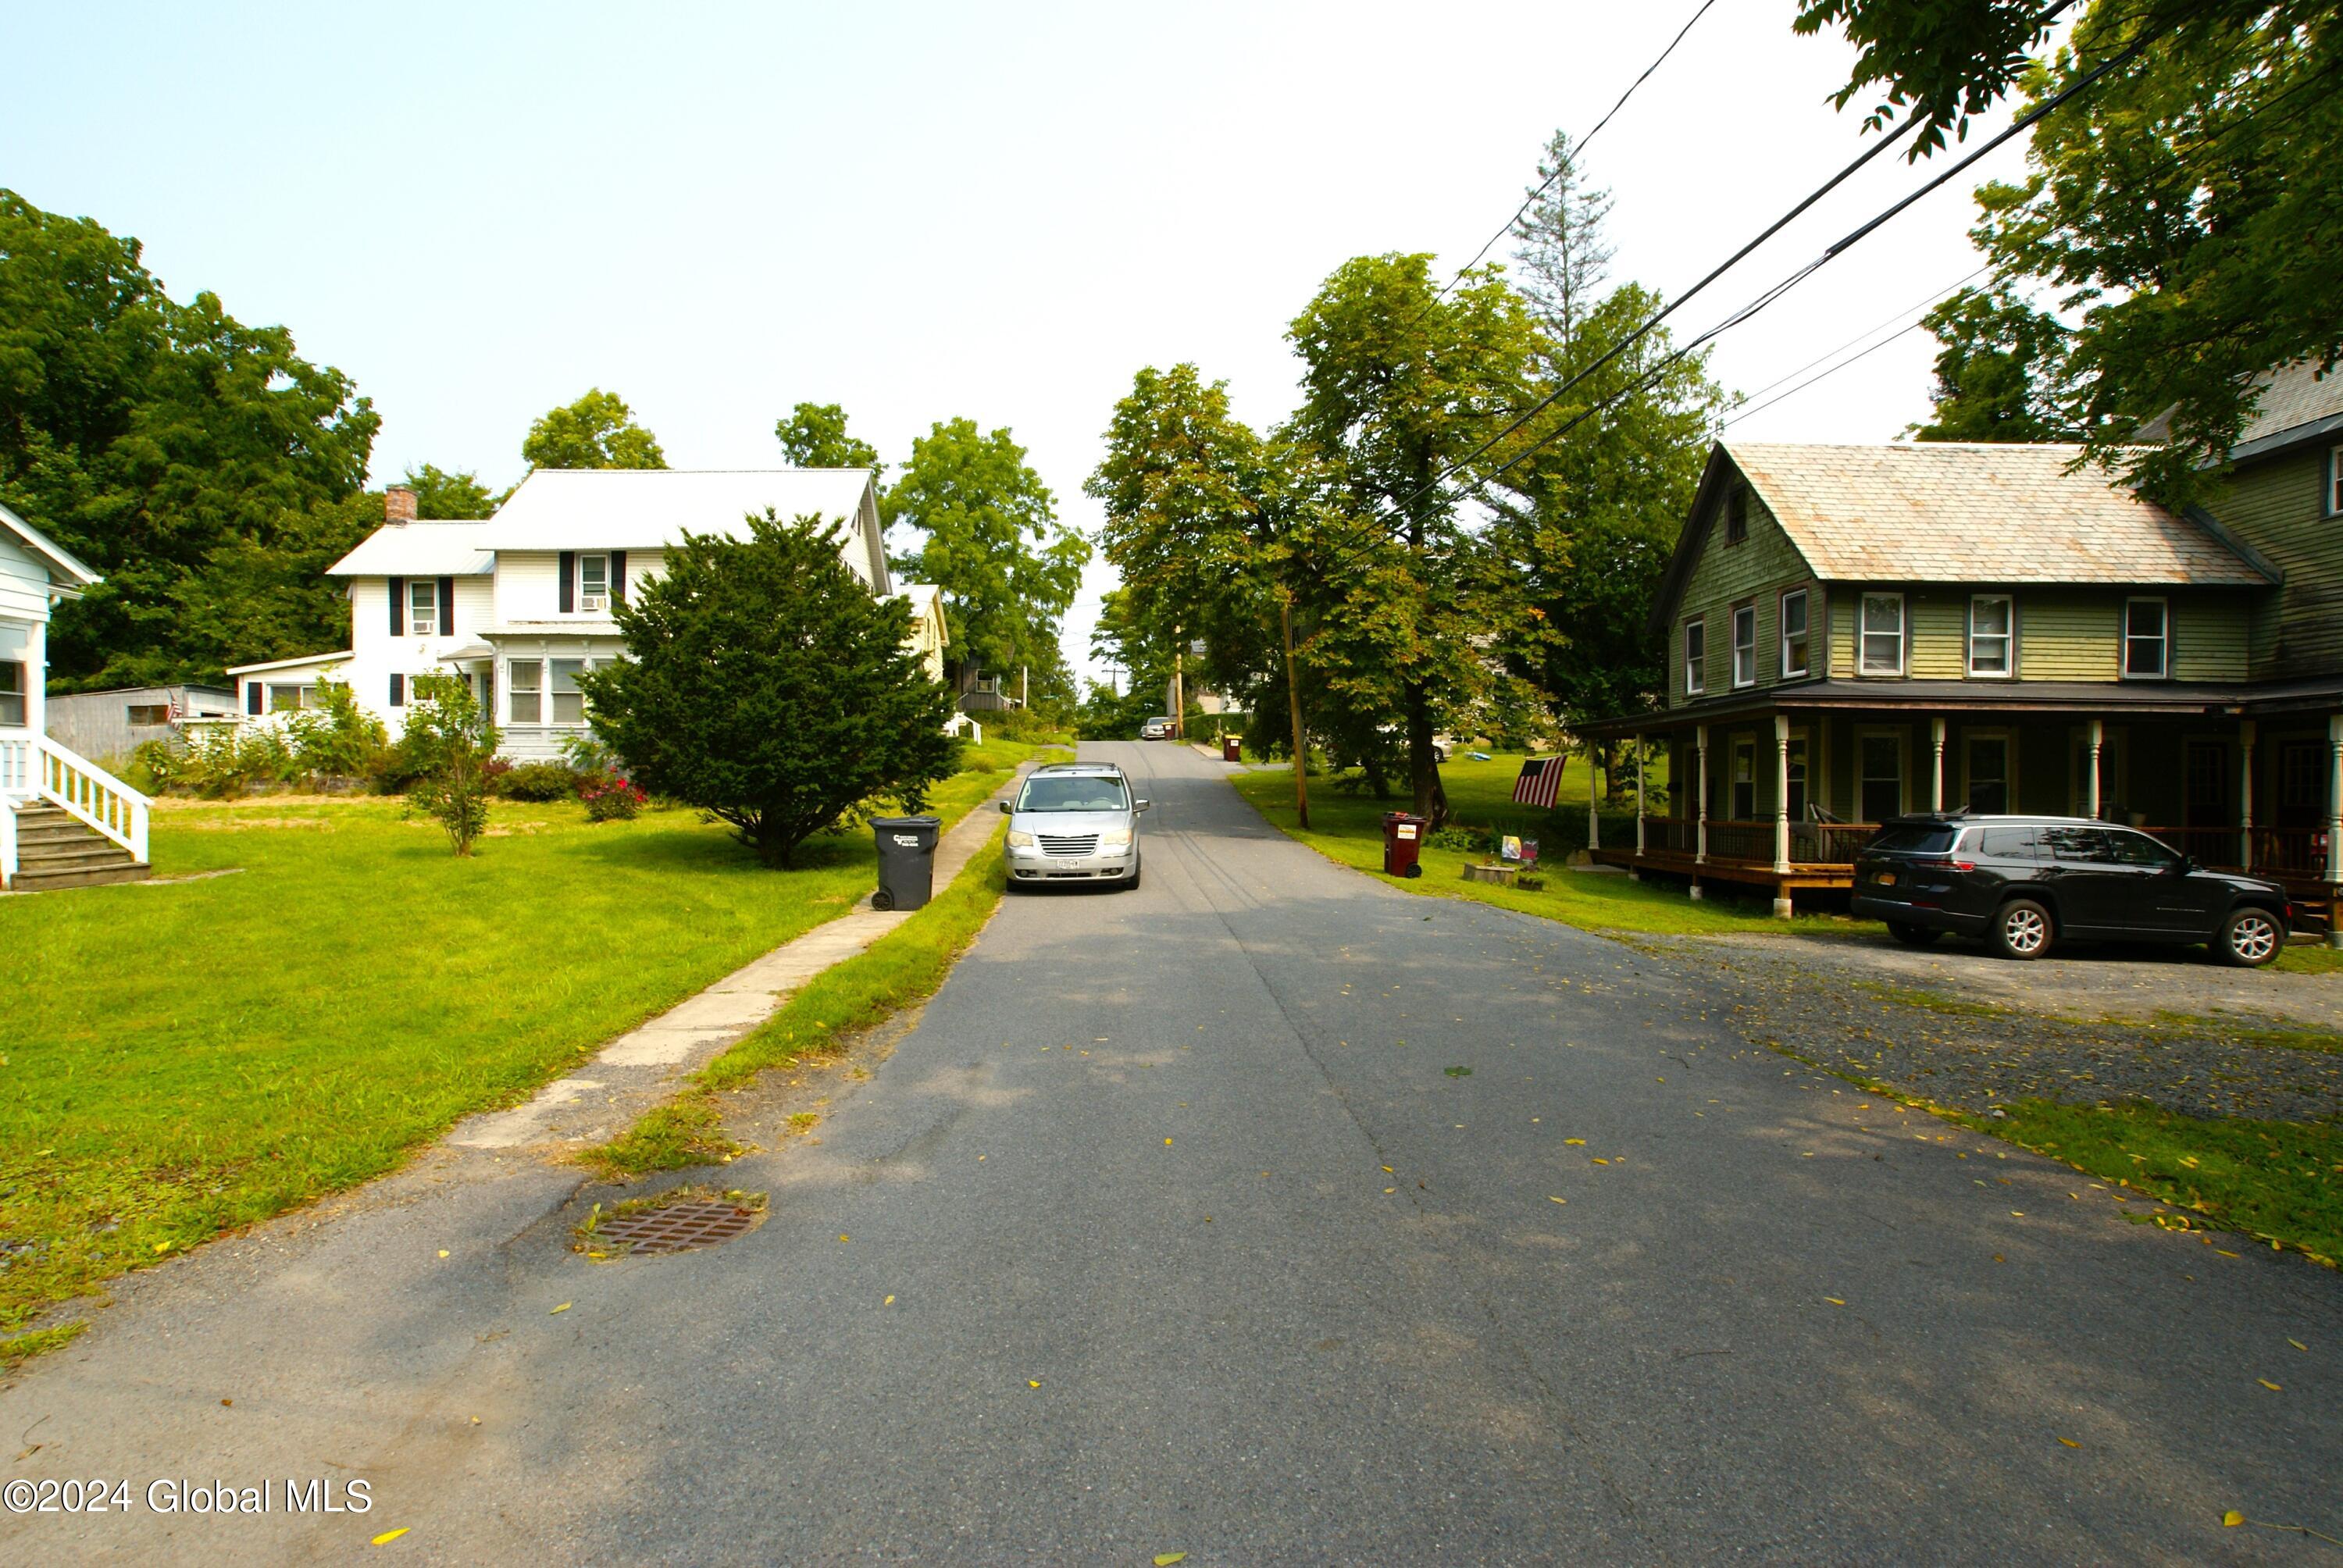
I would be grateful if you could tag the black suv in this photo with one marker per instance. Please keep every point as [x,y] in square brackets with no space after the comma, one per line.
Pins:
[2024,883]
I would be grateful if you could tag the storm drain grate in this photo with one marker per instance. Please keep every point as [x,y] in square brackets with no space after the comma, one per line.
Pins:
[678,1227]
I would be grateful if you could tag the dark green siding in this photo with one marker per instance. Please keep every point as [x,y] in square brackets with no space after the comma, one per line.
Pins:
[2277,506]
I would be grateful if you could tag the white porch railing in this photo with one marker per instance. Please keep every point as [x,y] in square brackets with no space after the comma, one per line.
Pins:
[35,766]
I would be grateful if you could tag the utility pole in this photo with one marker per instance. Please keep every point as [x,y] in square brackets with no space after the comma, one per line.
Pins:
[1293,712]
[1179,685]
[1024,686]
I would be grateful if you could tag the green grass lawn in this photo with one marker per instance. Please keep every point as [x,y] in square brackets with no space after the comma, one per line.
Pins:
[2304,959]
[185,1058]
[1348,828]
[2278,1181]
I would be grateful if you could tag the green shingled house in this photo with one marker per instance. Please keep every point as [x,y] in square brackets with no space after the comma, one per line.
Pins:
[1859,632]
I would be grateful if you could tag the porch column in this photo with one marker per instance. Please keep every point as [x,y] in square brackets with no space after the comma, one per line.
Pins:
[1936,765]
[1700,809]
[1638,743]
[1781,812]
[2334,828]
[1594,777]
[2246,793]
[2097,733]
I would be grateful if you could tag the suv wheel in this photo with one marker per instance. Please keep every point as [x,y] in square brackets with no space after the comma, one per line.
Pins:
[2021,929]
[1912,936]
[2249,939]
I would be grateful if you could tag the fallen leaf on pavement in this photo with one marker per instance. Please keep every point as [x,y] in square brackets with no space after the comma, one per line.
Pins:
[1833,1301]
[1166,1559]
[2269,1385]
[888,1302]
[562,1308]
[443,1251]
[2298,1345]
[1553,1199]
[388,1536]
[2070,1442]
[1032,1383]
[1574,1141]
[2233,1517]
[1600,1161]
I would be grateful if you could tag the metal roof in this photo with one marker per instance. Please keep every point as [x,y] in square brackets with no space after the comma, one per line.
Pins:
[652,508]
[421,550]
[1931,511]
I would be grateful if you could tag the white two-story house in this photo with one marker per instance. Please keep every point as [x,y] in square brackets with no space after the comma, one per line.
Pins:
[521,603]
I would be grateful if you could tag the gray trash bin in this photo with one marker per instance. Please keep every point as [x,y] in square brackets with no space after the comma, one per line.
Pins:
[907,861]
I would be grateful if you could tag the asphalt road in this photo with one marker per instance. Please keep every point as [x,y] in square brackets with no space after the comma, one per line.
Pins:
[1220,1217]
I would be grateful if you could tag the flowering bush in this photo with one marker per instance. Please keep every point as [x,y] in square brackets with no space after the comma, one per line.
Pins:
[609,798]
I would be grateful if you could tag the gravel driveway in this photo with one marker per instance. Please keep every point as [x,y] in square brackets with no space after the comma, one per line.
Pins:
[2172,1028]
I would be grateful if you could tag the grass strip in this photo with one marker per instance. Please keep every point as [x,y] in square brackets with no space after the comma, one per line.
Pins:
[1348,831]
[2309,959]
[905,966]
[2279,1181]
[23,1347]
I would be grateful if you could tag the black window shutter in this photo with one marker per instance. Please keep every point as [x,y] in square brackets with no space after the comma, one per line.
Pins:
[447,607]
[397,591]
[618,577]
[568,581]
[397,690]
[252,696]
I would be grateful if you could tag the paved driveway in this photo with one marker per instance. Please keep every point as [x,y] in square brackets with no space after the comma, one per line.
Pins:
[1221,1217]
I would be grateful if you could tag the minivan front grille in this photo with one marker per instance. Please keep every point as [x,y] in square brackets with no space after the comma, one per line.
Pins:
[1069,844]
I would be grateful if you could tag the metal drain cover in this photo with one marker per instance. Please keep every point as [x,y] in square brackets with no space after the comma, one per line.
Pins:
[678,1227]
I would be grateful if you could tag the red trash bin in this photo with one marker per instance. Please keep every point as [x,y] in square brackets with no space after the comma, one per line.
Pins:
[1229,752]
[1402,837]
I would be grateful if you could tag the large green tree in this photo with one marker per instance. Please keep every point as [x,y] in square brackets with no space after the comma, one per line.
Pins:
[814,436]
[1403,383]
[991,540]
[458,497]
[2177,216]
[766,687]
[597,431]
[202,465]
[1587,519]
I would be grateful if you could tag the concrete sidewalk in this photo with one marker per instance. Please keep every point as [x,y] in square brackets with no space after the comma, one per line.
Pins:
[636,1070]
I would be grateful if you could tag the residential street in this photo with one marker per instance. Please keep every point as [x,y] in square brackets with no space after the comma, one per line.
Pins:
[1221,1217]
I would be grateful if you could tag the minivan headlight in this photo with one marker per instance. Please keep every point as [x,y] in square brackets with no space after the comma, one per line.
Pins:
[1115,838]
[1020,839]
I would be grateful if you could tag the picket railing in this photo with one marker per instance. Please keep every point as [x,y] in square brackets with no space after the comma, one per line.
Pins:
[90,795]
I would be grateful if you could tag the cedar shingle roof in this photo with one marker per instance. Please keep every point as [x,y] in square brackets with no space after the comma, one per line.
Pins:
[1932,511]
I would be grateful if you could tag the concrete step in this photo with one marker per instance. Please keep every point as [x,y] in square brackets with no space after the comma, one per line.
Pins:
[32,881]
[56,856]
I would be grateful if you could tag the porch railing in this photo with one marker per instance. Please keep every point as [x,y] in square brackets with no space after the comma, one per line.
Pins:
[2223,847]
[2300,850]
[1811,843]
[1669,835]
[84,791]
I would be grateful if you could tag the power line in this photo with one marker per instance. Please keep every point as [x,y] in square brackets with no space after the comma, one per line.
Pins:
[1900,316]
[1577,148]
[1891,337]
[1853,237]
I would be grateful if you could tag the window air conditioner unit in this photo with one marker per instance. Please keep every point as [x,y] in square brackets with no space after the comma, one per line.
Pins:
[594,602]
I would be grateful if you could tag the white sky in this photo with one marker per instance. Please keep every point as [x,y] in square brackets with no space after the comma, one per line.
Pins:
[923,211]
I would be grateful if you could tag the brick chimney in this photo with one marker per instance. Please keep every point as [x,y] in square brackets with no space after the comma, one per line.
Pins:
[398,505]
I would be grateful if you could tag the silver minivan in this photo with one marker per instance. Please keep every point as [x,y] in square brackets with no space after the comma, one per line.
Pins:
[1074,823]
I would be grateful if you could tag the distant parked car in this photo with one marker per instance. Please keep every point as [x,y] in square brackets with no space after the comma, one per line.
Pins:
[1074,823]
[1155,728]
[2024,883]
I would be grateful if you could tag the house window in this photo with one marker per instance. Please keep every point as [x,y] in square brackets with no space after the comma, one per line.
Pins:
[147,714]
[2335,481]
[12,692]
[1988,771]
[1992,636]
[1695,658]
[291,699]
[2146,638]
[1880,650]
[2301,780]
[1745,780]
[593,582]
[568,702]
[1744,645]
[1736,516]
[1795,657]
[1880,788]
[397,690]
[525,680]
[422,607]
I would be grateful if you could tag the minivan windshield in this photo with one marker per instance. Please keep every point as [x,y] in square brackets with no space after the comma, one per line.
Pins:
[1095,792]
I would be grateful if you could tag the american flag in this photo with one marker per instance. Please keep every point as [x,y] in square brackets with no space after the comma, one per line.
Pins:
[1540,780]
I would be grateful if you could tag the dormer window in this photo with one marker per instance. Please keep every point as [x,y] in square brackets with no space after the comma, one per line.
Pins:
[594,582]
[422,607]
[1736,515]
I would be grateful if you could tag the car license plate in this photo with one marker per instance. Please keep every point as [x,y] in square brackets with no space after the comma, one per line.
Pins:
[1884,878]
